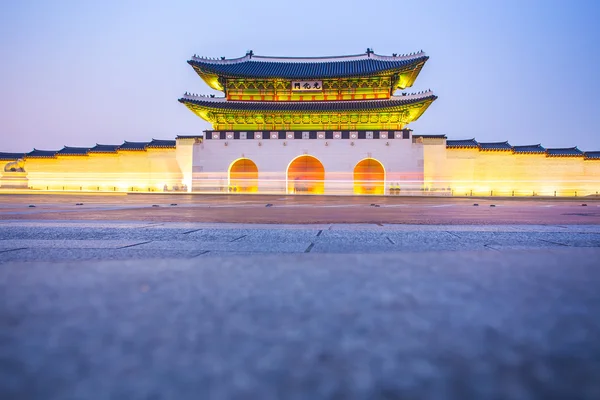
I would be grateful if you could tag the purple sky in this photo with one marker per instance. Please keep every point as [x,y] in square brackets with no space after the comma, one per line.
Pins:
[81,72]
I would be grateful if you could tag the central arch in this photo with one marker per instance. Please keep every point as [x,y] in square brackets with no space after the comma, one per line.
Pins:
[243,176]
[369,177]
[306,174]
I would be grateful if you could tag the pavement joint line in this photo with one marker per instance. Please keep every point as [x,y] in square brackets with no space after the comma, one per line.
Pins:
[151,225]
[192,231]
[6,251]
[236,239]
[133,245]
[309,248]
[390,240]
[452,234]
[558,243]
[319,234]
[489,246]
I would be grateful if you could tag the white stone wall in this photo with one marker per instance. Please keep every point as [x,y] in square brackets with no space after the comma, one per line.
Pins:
[402,160]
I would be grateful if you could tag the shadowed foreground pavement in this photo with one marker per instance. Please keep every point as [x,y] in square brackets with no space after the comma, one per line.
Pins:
[434,312]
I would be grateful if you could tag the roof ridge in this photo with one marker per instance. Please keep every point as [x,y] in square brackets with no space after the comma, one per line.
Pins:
[250,56]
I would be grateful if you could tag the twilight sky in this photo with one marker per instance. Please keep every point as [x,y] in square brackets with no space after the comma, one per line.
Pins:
[84,72]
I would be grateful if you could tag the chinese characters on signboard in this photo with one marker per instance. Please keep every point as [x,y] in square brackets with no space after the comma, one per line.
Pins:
[307,86]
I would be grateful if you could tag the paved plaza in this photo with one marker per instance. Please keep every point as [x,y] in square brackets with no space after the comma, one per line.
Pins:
[93,240]
[101,308]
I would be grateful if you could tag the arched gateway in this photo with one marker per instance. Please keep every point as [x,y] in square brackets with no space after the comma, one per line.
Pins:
[369,177]
[243,176]
[306,175]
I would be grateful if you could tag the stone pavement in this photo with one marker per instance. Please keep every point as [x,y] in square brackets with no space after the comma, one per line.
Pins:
[89,240]
[227,311]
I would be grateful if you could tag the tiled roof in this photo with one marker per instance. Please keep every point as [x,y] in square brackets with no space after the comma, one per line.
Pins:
[283,106]
[430,136]
[533,148]
[592,155]
[156,143]
[73,151]
[104,148]
[307,67]
[35,153]
[564,152]
[199,136]
[137,146]
[457,144]
[11,156]
[495,146]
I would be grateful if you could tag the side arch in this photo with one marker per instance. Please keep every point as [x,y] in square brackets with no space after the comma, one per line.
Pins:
[242,176]
[305,175]
[369,177]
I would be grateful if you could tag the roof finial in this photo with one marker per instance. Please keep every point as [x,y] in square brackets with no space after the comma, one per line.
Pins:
[250,53]
[369,52]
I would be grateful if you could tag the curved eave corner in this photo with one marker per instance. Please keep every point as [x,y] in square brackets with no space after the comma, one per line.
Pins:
[210,78]
[408,78]
[416,114]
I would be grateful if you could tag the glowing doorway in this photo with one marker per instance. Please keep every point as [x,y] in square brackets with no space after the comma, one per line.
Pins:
[306,175]
[243,176]
[369,177]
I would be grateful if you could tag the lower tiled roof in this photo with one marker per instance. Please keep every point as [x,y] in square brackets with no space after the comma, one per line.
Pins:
[104,148]
[290,106]
[533,148]
[592,155]
[11,156]
[73,151]
[495,146]
[199,136]
[157,143]
[35,153]
[430,136]
[468,143]
[564,152]
[134,146]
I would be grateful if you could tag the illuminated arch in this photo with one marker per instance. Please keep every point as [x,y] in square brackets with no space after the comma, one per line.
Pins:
[242,176]
[305,174]
[369,177]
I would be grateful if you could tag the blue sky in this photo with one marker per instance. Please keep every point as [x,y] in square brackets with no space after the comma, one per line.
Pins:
[82,72]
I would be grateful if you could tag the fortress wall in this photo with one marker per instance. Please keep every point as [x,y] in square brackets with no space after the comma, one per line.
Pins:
[122,171]
[502,173]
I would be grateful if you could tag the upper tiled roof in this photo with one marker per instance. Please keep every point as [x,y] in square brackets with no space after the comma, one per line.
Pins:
[283,106]
[134,145]
[533,148]
[564,152]
[495,146]
[592,155]
[11,156]
[468,143]
[157,143]
[307,67]
[104,148]
[35,153]
[73,151]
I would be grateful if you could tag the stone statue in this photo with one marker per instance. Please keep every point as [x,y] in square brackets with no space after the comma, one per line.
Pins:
[15,166]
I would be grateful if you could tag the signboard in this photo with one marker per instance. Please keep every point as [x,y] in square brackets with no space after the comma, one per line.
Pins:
[307,86]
